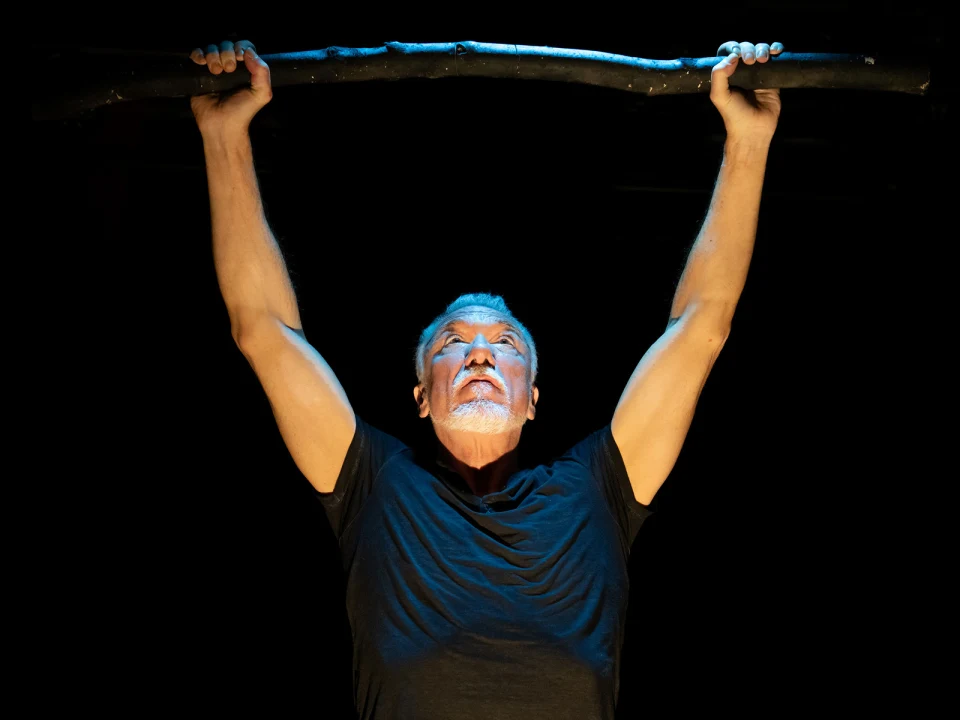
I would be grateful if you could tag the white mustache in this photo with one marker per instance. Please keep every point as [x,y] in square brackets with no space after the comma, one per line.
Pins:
[465,376]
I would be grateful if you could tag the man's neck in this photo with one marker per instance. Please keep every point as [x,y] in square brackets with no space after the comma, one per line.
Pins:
[485,462]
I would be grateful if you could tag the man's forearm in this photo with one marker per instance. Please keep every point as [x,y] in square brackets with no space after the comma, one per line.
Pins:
[716,269]
[251,272]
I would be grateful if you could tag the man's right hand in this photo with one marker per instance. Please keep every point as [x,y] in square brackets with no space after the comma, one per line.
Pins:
[231,111]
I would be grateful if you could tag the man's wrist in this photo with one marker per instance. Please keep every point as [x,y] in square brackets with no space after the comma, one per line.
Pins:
[225,137]
[746,148]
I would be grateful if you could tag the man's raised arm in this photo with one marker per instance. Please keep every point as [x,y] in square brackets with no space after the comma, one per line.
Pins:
[655,411]
[308,402]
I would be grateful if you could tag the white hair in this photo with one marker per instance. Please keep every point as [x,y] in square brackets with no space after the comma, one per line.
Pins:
[481,416]
[485,300]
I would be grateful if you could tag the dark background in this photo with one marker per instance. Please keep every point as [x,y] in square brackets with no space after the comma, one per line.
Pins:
[187,550]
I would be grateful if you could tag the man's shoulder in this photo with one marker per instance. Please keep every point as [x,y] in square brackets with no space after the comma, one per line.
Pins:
[372,441]
[579,452]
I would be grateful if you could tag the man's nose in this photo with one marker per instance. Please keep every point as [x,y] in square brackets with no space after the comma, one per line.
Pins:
[479,352]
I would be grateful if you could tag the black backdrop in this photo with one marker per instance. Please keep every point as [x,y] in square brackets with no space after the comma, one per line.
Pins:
[193,553]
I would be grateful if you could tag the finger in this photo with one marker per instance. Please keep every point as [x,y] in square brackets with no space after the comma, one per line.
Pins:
[763,52]
[242,45]
[719,79]
[198,57]
[776,48]
[728,47]
[227,57]
[213,59]
[259,74]
[748,52]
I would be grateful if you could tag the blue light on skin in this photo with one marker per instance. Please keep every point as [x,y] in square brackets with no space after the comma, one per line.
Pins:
[477,339]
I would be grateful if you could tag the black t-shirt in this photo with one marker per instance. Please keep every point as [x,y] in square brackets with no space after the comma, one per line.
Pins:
[510,605]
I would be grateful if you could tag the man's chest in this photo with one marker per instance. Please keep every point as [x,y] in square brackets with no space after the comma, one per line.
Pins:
[535,560]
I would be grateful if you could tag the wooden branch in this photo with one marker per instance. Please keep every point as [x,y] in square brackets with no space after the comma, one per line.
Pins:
[400,61]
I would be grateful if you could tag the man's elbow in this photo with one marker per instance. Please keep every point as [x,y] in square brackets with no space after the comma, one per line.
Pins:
[262,333]
[244,339]
[708,323]
[248,330]
[716,332]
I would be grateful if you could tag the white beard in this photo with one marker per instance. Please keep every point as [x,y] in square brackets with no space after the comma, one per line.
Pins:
[481,416]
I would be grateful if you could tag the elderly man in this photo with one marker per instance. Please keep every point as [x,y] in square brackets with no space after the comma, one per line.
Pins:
[476,588]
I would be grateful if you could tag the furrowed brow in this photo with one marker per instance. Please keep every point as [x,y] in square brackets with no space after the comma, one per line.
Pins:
[454,326]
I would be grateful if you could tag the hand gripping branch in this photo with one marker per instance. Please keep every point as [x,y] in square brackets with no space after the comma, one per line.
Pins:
[176,77]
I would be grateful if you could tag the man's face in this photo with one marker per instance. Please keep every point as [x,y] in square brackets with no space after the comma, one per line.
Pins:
[478,374]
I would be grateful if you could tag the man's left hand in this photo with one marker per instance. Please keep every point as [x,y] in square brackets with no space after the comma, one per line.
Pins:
[747,114]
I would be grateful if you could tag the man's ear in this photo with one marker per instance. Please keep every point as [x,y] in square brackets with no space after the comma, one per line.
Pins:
[423,404]
[532,405]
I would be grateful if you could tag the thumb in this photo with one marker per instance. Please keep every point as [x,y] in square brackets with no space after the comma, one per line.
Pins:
[720,79]
[259,75]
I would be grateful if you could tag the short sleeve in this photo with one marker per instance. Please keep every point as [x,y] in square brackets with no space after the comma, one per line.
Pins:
[599,452]
[369,451]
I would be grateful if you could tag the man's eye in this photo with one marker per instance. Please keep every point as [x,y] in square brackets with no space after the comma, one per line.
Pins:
[508,341]
[452,339]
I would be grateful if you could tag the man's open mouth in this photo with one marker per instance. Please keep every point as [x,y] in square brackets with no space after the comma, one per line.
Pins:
[486,380]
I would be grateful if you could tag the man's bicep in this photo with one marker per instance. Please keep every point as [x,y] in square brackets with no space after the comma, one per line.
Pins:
[311,408]
[656,409]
